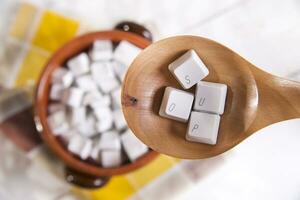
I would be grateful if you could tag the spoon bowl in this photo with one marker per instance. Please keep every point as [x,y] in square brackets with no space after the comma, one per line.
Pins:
[249,95]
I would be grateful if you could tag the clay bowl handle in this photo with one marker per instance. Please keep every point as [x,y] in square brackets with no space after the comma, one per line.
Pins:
[132,27]
[84,180]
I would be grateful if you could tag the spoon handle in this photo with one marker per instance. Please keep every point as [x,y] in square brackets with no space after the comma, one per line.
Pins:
[279,99]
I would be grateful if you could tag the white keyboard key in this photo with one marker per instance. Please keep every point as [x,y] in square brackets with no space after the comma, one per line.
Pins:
[86,83]
[133,147]
[62,129]
[102,112]
[73,97]
[104,76]
[67,135]
[120,69]
[86,149]
[62,76]
[57,121]
[95,153]
[105,119]
[78,115]
[126,52]
[101,50]
[108,85]
[119,119]
[103,102]
[210,97]
[188,69]
[116,97]
[54,107]
[95,99]
[176,104]
[56,92]
[104,125]
[91,96]
[110,141]
[76,144]
[203,127]
[79,64]
[87,128]
[102,70]
[111,158]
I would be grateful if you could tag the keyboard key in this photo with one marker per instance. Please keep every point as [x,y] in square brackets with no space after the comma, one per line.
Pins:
[56,92]
[62,76]
[58,122]
[104,101]
[203,128]
[116,96]
[87,128]
[54,107]
[119,119]
[101,50]
[76,144]
[210,97]
[86,149]
[78,115]
[111,158]
[91,97]
[176,104]
[133,147]
[126,52]
[73,97]
[120,69]
[188,69]
[86,83]
[110,141]
[79,65]
[105,119]
[103,74]
[95,153]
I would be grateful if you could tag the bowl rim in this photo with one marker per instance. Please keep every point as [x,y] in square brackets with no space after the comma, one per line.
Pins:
[68,50]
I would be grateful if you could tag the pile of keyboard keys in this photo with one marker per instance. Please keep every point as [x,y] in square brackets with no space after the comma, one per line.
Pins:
[85,105]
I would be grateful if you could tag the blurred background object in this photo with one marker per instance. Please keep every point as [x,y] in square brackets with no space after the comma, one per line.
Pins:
[264,32]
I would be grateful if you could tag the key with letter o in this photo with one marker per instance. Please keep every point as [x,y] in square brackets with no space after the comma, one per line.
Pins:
[176,104]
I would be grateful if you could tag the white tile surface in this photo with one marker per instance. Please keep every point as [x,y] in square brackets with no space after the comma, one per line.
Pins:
[263,32]
[265,166]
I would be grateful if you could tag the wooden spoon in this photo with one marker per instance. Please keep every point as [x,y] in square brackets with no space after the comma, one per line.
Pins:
[255,99]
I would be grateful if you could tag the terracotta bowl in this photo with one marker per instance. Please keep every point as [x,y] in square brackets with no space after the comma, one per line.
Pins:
[83,173]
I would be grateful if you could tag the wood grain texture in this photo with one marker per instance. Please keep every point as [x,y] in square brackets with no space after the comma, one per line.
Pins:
[255,99]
